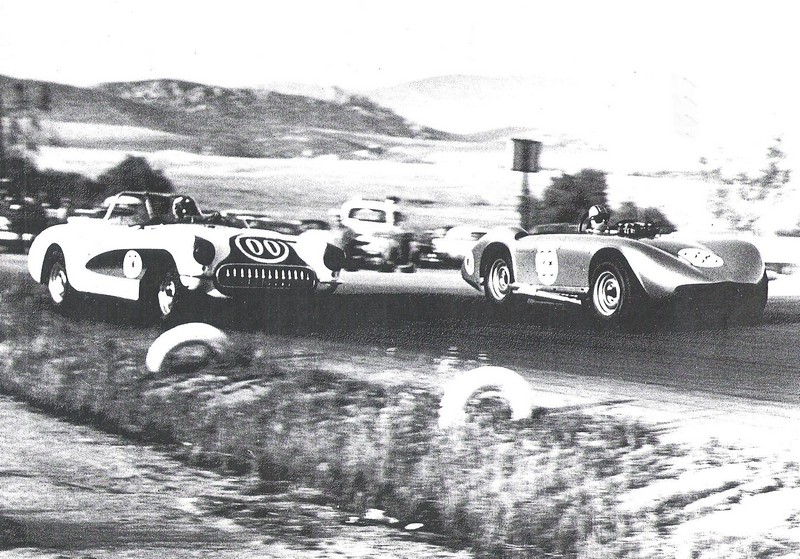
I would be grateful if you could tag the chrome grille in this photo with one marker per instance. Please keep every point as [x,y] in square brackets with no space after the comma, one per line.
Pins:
[262,276]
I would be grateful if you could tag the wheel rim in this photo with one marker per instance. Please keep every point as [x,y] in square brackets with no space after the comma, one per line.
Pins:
[499,280]
[167,293]
[607,293]
[57,283]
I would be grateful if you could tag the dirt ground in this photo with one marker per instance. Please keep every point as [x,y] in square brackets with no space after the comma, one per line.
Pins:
[73,492]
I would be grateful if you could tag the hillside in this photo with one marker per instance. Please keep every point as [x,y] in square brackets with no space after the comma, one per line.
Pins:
[227,121]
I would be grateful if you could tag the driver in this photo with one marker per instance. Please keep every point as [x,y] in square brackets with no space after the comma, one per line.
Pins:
[181,208]
[598,219]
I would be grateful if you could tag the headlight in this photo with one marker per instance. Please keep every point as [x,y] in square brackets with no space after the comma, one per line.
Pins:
[5,223]
[700,258]
[203,251]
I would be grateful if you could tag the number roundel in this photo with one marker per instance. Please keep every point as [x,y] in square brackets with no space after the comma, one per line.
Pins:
[267,251]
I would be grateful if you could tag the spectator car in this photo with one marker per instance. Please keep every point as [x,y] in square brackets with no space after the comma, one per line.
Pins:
[21,220]
[373,236]
[449,246]
[160,250]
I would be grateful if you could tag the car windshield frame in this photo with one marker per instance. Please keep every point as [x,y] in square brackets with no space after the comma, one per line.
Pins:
[137,208]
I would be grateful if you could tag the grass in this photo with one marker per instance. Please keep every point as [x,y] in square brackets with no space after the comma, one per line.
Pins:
[546,486]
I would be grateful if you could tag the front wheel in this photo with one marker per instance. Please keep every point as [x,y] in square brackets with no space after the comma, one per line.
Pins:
[163,295]
[58,286]
[498,280]
[170,293]
[613,296]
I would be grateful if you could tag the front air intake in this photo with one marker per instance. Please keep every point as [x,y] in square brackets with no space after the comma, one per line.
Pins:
[268,277]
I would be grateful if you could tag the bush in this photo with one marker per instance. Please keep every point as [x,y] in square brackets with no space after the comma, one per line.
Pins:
[629,211]
[133,173]
[568,197]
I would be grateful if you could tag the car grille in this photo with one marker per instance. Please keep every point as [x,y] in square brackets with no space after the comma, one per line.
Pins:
[262,276]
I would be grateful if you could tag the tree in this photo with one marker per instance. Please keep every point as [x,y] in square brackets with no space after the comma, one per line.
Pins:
[744,205]
[133,173]
[629,211]
[569,196]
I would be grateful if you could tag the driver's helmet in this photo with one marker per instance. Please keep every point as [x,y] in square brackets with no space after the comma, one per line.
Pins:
[182,208]
[598,218]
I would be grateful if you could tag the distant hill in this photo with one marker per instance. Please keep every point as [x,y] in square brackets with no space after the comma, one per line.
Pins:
[585,106]
[230,121]
[633,121]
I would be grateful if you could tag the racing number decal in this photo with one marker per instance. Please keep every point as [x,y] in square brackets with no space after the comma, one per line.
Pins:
[547,265]
[267,251]
[132,264]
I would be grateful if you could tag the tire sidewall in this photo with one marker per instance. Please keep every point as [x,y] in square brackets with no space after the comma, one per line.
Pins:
[623,312]
[150,308]
[496,263]
[56,259]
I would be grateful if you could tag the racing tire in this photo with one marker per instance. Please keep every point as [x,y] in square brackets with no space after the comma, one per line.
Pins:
[498,280]
[55,278]
[614,294]
[164,297]
[485,383]
[168,345]
[388,264]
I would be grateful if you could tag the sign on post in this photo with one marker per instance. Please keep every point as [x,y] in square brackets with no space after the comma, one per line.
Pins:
[526,155]
[526,160]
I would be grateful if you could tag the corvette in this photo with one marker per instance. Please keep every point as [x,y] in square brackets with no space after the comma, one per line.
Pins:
[159,250]
[619,272]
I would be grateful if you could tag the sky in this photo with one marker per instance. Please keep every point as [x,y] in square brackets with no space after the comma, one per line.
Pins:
[362,45]
[740,57]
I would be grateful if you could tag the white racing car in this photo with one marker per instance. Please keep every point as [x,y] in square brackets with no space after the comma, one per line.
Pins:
[158,249]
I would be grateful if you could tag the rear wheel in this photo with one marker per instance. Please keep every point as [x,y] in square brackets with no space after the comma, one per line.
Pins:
[498,280]
[615,295]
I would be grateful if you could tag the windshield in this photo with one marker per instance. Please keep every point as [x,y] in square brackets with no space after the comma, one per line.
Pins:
[368,214]
[142,209]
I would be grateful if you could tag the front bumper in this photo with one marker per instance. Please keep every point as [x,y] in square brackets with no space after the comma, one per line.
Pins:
[717,296]
[247,280]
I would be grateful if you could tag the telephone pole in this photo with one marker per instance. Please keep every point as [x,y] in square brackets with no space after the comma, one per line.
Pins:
[2,141]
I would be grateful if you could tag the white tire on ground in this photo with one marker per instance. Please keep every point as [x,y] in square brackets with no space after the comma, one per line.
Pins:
[487,381]
[214,340]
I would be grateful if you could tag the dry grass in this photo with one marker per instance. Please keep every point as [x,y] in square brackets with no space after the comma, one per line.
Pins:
[547,486]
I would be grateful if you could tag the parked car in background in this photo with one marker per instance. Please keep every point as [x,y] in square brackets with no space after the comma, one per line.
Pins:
[448,246]
[373,237]
[256,220]
[21,220]
[162,252]
[268,221]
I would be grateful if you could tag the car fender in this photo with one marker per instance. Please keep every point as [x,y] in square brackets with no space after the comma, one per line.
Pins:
[473,267]
[660,273]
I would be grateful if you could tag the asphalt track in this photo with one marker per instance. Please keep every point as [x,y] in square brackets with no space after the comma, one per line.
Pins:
[691,349]
[432,312]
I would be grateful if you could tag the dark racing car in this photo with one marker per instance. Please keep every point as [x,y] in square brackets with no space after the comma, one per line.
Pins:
[615,272]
